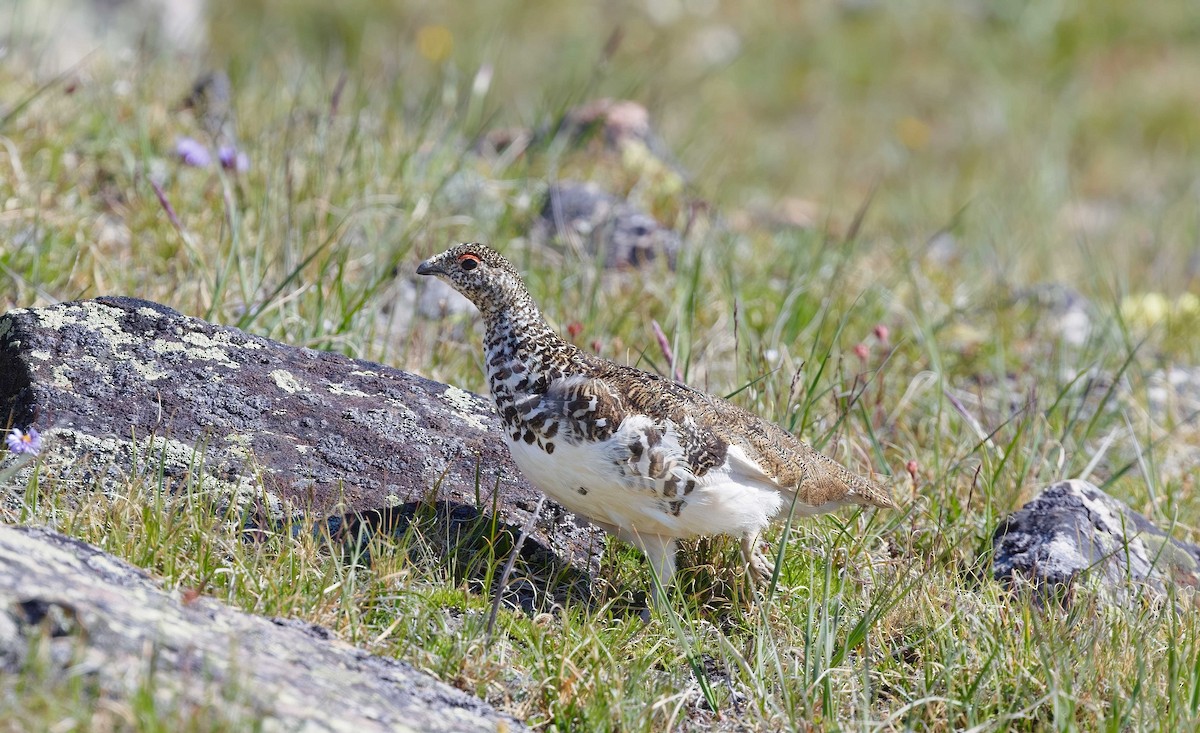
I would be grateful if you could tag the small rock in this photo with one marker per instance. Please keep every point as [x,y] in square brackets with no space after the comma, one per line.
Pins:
[409,295]
[619,121]
[439,300]
[584,216]
[1173,397]
[1073,530]
[617,128]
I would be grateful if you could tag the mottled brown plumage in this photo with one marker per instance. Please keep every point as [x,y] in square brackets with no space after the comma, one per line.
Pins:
[644,457]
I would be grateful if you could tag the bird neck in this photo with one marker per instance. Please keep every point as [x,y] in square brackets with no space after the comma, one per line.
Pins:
[523,353]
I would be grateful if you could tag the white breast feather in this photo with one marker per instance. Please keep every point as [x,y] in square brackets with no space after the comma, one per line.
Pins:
[731,499]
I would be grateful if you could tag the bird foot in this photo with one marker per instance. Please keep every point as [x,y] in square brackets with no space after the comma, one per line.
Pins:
[761,568]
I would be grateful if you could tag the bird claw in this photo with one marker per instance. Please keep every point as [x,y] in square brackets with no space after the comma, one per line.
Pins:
[762,568]
[757,563]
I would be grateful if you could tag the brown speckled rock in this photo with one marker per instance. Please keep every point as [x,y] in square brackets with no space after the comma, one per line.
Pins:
[78,612]
[119,385]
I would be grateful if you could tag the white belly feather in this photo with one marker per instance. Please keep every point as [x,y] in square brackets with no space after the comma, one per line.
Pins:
[723,501]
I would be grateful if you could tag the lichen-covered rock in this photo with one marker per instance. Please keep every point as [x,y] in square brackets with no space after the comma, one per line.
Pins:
[1073,530]
[120,386]
[584,216]
[95,617]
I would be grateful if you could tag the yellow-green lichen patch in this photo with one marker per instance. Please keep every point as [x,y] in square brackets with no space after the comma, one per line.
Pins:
[58,376]
[55,318]
[239,445]
[204,348]
[220,338]
[348,391]
[6,324]
[464,405]
[167,347]
[97,317]
[149,370]
[287,381]
[104,321]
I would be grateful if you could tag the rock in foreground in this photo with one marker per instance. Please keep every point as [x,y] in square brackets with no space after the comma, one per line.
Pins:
[104,621]
[1073,528]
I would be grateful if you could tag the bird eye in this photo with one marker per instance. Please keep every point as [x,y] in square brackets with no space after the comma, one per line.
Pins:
[468,262]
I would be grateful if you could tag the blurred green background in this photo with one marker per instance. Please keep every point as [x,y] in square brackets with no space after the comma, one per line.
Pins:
[1059,139]
[1050,131]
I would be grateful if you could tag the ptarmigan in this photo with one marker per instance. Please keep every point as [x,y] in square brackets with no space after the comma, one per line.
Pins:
[643,457]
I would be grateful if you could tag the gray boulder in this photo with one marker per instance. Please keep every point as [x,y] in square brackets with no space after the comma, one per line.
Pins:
[584,217]
[1074,531]
[82,613]
[119,386]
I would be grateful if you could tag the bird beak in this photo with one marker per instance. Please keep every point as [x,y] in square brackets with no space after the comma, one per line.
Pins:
[428,268]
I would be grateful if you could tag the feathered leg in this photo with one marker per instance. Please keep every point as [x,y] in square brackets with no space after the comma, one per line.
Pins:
[761,568]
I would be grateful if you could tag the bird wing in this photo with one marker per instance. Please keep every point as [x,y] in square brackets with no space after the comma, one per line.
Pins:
[573,409]
[758,451]
[771,454]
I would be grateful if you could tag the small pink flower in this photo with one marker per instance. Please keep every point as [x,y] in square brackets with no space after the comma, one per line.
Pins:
[913,468]
[881,333]
[193,152]
[862,351]
[574,328]
[28,442]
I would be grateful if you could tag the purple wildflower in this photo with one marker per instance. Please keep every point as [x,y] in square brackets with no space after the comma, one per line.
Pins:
[192,152]
[24,441]
[233,159]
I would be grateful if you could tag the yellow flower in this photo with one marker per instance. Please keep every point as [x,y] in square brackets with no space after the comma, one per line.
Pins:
[435,42]
[913,133]
[1145,310]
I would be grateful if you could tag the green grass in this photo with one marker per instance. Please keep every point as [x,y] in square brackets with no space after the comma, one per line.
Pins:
[1048,142]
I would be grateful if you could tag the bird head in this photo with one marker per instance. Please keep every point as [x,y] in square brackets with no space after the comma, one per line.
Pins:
[480,273]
